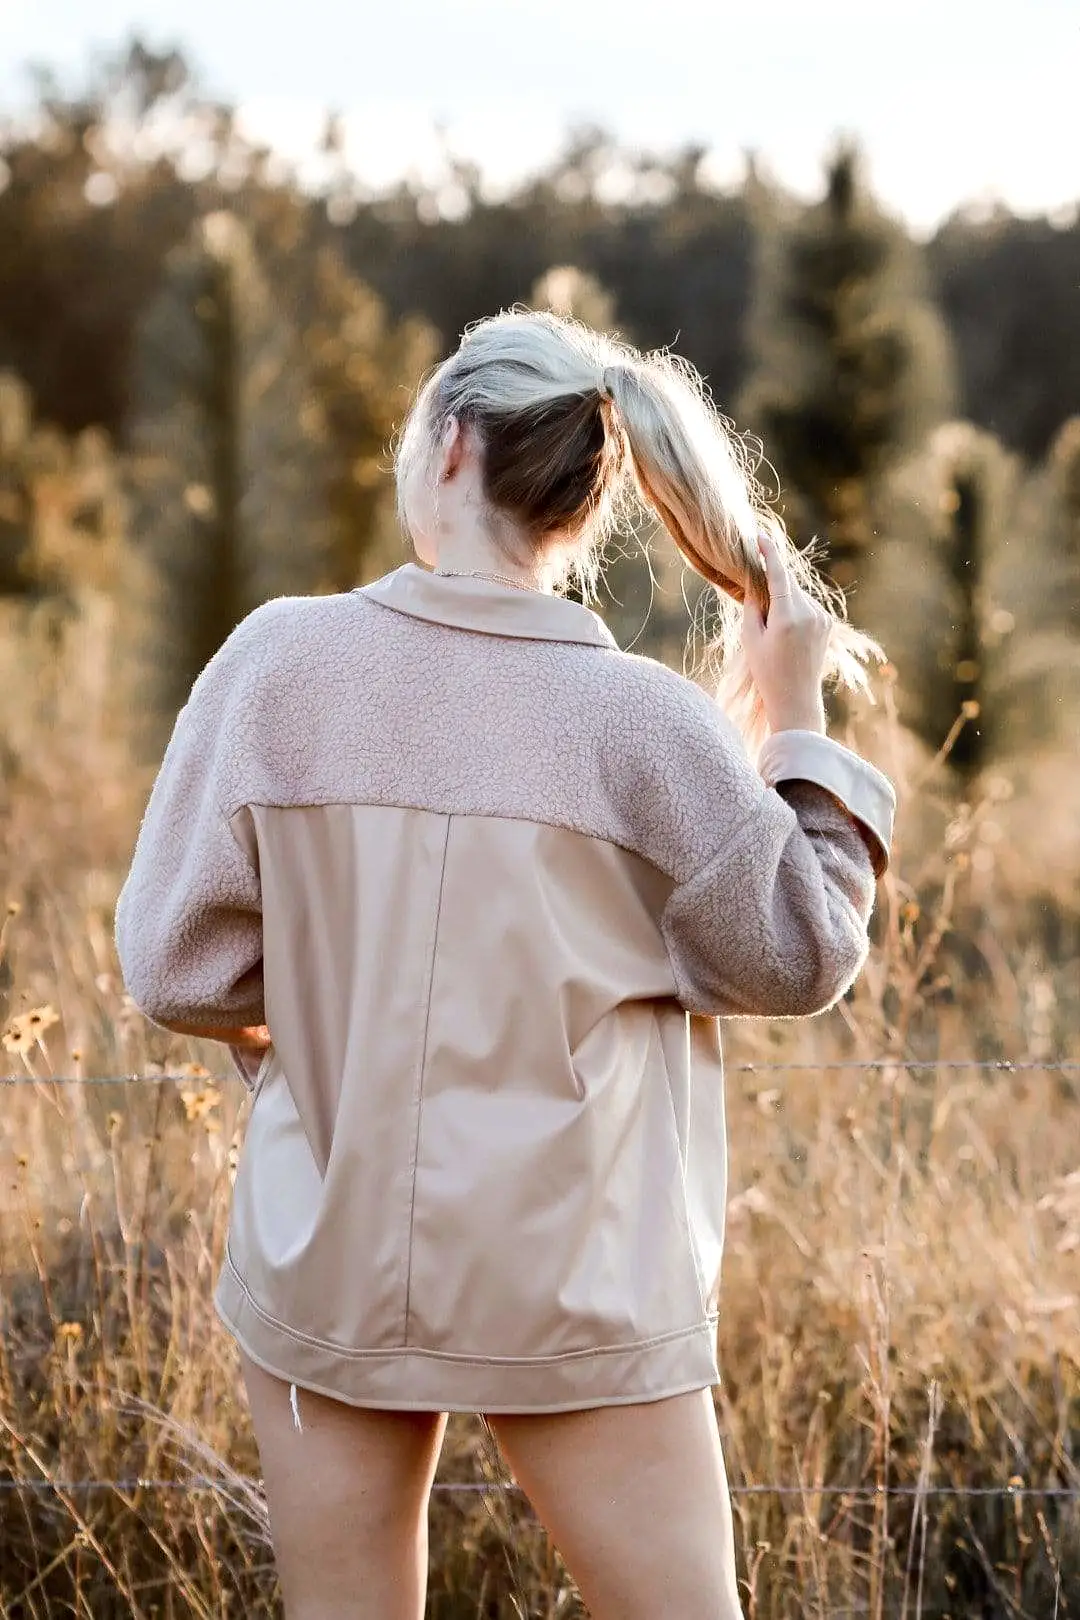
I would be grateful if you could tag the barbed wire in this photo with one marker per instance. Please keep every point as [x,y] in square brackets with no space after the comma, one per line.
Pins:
[852,1493]
[986,1065]
[203,1482]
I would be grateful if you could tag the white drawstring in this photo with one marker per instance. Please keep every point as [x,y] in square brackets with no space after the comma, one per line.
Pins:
[295,1404]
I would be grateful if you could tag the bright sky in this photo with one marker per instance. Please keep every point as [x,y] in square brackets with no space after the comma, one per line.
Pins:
[955,100]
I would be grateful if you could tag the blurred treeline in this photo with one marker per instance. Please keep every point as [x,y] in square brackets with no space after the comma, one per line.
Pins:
[202,364]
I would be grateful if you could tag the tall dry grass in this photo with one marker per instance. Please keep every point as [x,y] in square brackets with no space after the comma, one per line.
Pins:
[900,1298]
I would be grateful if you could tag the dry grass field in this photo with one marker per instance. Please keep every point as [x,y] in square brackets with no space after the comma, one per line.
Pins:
[902,1276]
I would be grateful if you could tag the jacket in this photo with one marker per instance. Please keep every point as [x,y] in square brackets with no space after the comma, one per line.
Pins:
[490,882]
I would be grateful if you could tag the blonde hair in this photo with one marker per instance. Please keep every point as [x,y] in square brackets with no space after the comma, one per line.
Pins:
[577,426]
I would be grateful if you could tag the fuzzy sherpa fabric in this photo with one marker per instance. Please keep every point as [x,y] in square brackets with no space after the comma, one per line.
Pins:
[346,699]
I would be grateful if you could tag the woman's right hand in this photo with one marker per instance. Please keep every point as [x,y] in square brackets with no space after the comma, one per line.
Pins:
[786,654]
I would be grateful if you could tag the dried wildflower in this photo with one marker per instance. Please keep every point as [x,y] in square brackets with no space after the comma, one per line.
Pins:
[69,1332]
[16,1039]
[198,1104]
[26,1029]
[753,1201]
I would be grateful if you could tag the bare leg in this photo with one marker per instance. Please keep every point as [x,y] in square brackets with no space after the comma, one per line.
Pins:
[636,1500]
[348,1498]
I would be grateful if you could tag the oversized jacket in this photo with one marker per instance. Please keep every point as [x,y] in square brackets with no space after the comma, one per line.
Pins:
[475,868]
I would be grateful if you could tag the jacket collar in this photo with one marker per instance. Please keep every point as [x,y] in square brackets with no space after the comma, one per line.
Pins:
[468,603]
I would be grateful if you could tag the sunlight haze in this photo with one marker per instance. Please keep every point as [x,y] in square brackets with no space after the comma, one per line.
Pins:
[955,103]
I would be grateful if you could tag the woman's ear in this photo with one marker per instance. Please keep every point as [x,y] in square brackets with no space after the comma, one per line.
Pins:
[451,448]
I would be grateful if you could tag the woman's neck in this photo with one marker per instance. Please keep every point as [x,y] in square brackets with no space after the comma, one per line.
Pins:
[474,554]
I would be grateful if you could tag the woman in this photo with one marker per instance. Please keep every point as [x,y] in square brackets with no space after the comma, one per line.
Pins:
[450,873]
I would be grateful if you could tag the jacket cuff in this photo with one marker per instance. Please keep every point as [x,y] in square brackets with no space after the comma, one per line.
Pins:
[864,791]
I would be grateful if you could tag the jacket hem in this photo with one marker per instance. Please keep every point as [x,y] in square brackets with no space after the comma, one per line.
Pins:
[408,1378]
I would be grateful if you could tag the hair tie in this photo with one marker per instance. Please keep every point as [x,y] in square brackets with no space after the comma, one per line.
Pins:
[606,390]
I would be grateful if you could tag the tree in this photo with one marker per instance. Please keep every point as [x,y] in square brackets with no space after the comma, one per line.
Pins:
[674,254]
[942,594]
[227,470]
[974,510]
[84,228]
[16,503]
[1063,516]
[850,361]
[1037,596]
[61,519]
[1008,289]
[364,369]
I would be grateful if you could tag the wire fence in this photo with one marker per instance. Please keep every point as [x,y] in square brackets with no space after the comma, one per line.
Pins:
[851,1493]
[1013,1490]
[772,1066]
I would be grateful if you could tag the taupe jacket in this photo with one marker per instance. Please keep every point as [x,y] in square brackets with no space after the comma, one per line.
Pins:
[474,867]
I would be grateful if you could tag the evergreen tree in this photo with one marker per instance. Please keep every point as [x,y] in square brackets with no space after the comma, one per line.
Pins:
[970,506]
[227,471]
[1064,514]
[1037,598]
[850,361]
[941,596]
[1044,584]
[364,369]
[61,522]
[16,506]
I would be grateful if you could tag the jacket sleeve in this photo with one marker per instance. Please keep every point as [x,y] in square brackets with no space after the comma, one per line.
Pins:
[775,885]
[188,923]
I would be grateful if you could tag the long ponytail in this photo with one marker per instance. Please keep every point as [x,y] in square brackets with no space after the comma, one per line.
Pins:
[697,475]
[570,419]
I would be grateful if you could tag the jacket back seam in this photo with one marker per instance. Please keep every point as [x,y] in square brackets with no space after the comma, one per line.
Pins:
[333,801]
[433,951]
